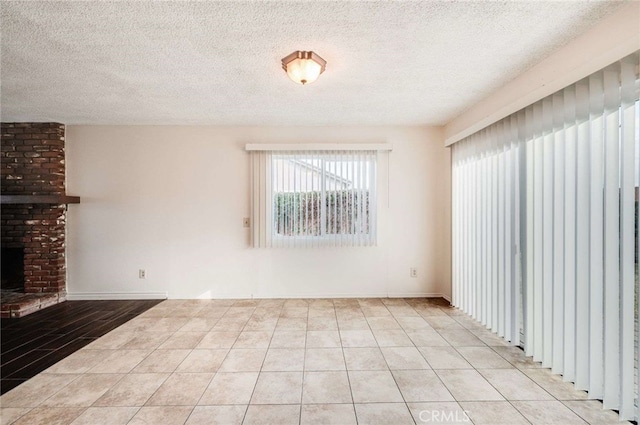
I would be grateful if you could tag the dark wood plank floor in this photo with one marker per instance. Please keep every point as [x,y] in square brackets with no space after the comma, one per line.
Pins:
[32,343]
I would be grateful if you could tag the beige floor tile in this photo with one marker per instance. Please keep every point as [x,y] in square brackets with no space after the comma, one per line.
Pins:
[239,312]
[229,325]
[375,311]
[9,415]
[514,385]
[113,340]
[427,338]
[141,323]
[421,385]
[383,413]
[295,302]
[230,388]
[261,324]
[146,340]
[404,358]
[168,324]
[202,361]
[253,339]
[161,361]
[365,359]
[272,415]
[443,322]
[324,359]
[161,415]
[593,412]
[435,311]
[212,312]
[288,312]
[353,324]
[323,339]
[392,338]
[50,416]
[484,358]
[402,311]
[322,324]
[84,391]
[322,313]
[265,314]
[326,387]
[278,388]
[217,415]
[438,412]
[413,323]
[106,416]
[383,323]
[243,360]
[547,413]
[199,324]
[185,311]
[271,303]
[36,390]
[328,414]
[554,384]
[374,387]
[132,390]
[516,357]
[79,362]
[246,303]
[444,358]
[284,360]
[489,338]
[182,340]
[288,339]
[357,338]
[292,324]
[460,338]
[320,303]
[468,385]
[181,389]
[120,361]
[493,413]
[216,339]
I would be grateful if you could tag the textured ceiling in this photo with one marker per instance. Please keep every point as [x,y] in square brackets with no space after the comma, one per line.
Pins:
[218,63]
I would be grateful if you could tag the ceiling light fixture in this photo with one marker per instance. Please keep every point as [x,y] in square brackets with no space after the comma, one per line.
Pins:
[303,67]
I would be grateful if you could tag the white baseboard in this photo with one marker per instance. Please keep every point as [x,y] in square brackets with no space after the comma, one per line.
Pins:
[164,295]
[330,295]
[73,296]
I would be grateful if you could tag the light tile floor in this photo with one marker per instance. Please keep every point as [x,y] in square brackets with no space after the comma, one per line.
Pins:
[339,361]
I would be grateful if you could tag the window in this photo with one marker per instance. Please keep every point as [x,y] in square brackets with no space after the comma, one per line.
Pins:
[314,198]
[322,195]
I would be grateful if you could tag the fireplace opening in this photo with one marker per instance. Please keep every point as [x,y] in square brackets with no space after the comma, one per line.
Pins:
[12,275]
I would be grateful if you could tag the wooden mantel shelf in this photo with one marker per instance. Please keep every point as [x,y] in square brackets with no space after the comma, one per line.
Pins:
[39,199]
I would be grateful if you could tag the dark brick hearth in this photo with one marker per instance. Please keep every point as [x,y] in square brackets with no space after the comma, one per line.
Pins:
[32,163]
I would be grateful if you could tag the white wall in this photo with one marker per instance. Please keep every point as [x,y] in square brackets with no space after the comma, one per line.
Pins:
[171,200]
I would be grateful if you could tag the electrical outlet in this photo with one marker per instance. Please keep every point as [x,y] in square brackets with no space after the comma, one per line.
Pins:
[413,272]
[142,274]
[246,222]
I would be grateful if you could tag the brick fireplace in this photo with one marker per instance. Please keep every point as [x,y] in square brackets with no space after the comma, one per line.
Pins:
[33,217]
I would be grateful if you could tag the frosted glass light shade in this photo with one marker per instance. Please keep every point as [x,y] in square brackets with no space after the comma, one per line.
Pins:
[303,67]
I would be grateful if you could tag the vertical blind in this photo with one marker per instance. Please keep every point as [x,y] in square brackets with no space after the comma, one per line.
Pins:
[313,198]
[545,245]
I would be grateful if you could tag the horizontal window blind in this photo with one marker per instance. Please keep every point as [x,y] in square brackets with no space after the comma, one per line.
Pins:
[545,216]
[314,198]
